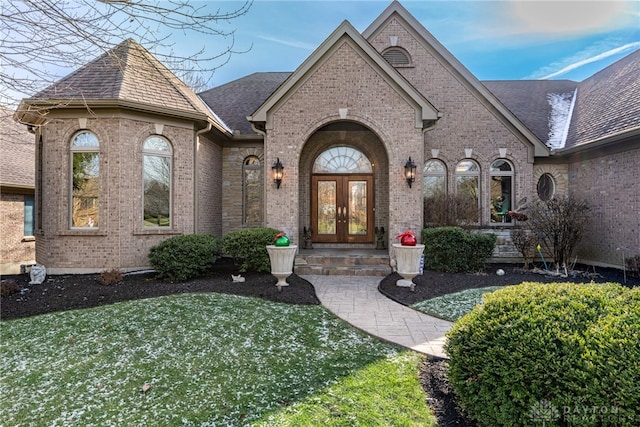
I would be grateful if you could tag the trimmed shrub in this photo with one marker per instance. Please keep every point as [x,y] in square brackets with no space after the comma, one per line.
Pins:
[453,250]
[8,287]
[552,354]
[248,248]
[183,257]
[111,277]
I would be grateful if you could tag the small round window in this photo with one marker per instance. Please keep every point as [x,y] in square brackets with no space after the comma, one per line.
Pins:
[546,187]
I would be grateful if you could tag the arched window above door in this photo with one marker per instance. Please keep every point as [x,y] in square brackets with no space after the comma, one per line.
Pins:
[342,160]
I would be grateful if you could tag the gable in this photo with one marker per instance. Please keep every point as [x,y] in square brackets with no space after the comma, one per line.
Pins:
[381,35]
[345,34]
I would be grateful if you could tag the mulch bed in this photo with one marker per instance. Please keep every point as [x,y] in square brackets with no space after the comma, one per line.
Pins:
[69,292]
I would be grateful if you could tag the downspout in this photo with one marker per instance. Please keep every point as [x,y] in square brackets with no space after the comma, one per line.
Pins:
[196,142]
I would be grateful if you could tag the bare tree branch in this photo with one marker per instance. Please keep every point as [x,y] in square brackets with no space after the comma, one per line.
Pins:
[43,40]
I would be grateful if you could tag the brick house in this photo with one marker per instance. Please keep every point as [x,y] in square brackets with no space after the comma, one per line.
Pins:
[128,155]
[17,184]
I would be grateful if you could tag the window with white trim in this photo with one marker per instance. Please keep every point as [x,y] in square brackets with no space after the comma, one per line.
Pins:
[501,188]
[467,179]
[252,191]
[157,156]
[85,180]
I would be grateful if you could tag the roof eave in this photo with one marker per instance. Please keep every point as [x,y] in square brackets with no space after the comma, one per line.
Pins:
[33,111]
[624,137]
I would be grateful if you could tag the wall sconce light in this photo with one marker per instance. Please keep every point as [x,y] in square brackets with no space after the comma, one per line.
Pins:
[277,172]
[410,171]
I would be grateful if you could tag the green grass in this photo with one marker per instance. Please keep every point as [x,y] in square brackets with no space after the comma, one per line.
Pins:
[210,360]
[453,306]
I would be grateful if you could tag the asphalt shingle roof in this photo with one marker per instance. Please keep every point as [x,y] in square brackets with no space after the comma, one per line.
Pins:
[528,100]
[127,72]
[236,100]
[17,152]
[608,102]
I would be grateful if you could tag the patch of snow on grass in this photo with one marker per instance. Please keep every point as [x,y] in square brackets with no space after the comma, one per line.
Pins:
[453,306]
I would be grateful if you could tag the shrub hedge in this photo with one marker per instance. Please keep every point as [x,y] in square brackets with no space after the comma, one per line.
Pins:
[248,248]
[453,250]
[183,257]
[552,354]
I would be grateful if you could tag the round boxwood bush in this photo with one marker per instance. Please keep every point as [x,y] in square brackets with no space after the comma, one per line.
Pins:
[249,248]
[183,257]
[549,354]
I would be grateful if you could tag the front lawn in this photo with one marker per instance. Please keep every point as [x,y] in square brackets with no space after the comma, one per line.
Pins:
[203,359]
[453,306]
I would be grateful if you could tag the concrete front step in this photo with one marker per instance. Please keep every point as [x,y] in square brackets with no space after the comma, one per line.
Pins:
[336,262]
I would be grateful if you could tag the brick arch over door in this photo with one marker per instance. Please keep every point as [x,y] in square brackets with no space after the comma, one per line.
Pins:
[345,133]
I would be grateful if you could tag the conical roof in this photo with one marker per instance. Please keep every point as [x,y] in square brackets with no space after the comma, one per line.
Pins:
[128,72]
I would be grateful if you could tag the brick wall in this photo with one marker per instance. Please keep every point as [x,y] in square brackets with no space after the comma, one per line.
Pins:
[610,185]
[14,248]
[209,200]
[467,122]
[344,80]
[233,158]
[120,241]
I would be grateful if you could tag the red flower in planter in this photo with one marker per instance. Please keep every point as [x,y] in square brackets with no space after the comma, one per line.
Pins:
[407,238]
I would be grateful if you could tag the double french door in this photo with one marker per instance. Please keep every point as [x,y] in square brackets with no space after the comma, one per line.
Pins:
[342,208]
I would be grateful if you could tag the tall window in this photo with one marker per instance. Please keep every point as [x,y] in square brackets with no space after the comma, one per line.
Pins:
[434,187]
[29,216]
[467,191]
[252,191]
[85,186]
[501,187]
[156,170]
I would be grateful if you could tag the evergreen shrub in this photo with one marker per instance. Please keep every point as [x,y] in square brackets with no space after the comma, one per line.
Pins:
[183,257]
[248,248]
[454,250]
[549,354]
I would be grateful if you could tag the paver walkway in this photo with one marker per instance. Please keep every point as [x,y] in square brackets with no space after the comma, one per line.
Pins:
[356,299]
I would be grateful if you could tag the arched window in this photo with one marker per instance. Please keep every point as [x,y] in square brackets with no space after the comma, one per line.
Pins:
[252,191]
[342,160]
[501,187]
[156,181]
[434,191]
[397,56]
[85,180]
[467,191]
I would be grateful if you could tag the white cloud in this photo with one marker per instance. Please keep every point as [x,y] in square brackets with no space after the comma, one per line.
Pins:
[291,43]
[584,57]
[569,17]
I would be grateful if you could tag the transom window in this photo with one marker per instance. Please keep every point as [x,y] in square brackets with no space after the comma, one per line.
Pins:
[341,160]
[501,188]
[252,191]
[85,182]
[467,191]
[156,170]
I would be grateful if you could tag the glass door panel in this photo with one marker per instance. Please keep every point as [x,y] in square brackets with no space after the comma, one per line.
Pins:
[326,211]
[357,208]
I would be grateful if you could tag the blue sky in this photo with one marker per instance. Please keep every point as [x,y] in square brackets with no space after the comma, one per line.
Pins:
[495,40]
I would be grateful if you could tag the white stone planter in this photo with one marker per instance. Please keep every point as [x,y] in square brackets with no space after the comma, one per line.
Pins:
[281,258]
[408,263]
